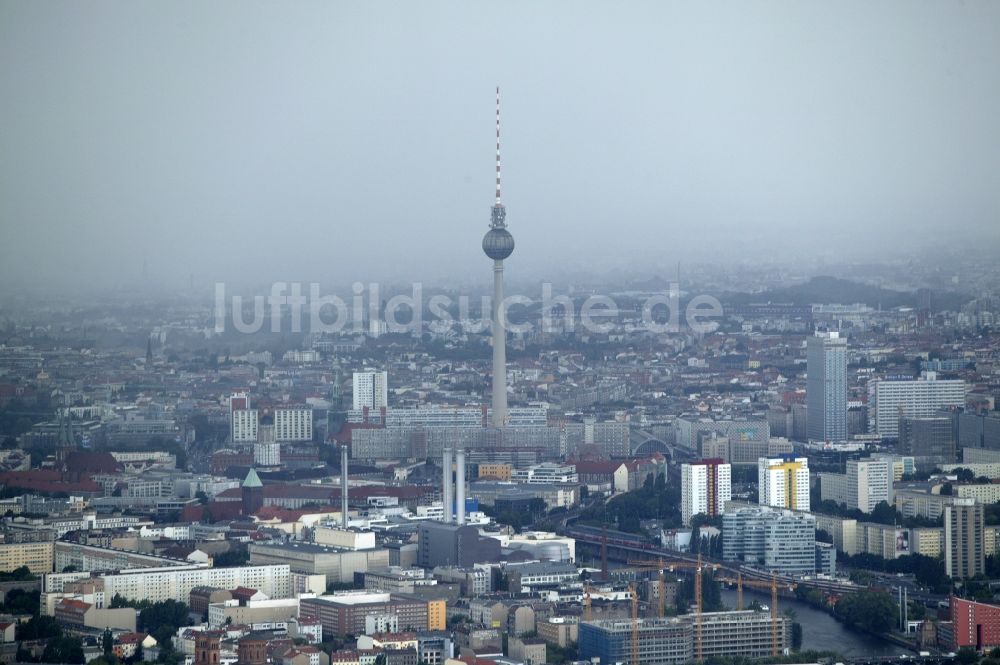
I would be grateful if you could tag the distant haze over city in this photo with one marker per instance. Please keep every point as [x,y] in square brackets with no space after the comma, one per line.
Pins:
[184,143]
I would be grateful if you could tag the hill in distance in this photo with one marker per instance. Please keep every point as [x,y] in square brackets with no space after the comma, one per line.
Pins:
[829,290]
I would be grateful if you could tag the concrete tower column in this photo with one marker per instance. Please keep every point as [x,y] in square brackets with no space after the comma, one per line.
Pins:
[460,486]
[499,349]
[446,484]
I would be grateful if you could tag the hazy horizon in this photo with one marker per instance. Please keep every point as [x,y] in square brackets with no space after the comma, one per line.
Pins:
[243,142]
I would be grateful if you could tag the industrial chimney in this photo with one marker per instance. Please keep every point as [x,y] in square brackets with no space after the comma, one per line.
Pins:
[446,485]
[460,486]
[343,486]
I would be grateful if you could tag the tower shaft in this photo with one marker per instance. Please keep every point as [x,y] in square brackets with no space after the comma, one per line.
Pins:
[499,349]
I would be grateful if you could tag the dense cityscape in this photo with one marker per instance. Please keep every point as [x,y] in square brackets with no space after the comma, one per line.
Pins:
[276,389]
[176,493]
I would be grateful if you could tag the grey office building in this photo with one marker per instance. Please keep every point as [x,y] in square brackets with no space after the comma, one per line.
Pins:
[930,441]
[826,387]
[979,430]
[826,559]
[991,430]
[970,430]
[441,544]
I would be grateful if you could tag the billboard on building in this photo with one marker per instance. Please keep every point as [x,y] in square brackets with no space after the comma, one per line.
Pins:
[902,542]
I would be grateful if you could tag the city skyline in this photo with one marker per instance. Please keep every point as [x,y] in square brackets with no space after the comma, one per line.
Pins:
[734,398]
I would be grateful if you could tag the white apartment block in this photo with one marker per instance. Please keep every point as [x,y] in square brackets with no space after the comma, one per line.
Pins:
[159,584]
[453,416]
[889,399]
[783,482]
[371,390]
[705,488]
[869,481]
[293,425]
[546,473]
[833,487]
[245,423]
[984,494]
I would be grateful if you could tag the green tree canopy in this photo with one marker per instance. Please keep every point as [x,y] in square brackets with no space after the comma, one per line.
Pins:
[63,650]
[873,611]
[39,628]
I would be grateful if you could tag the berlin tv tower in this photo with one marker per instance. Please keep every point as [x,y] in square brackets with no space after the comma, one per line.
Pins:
[498,244]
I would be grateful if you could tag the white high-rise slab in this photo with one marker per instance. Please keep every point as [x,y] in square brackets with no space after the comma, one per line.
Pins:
[783,482]
[371,390]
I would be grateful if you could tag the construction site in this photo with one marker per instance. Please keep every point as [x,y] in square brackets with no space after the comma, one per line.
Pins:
[645,634]
[679,639]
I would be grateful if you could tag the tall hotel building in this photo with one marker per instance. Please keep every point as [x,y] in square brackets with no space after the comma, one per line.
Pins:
[826,387]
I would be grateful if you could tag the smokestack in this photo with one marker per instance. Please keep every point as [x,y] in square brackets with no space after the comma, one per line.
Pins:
[343,486]
[446,485]
[460,486]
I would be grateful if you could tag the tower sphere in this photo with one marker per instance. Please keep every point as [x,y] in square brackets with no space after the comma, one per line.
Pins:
[498,244]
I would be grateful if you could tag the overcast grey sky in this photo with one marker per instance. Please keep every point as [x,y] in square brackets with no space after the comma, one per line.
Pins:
[354,140]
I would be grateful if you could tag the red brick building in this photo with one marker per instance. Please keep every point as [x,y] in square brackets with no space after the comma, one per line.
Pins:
[975,625]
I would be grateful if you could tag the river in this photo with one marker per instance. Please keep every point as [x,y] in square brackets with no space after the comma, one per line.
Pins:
[820,631]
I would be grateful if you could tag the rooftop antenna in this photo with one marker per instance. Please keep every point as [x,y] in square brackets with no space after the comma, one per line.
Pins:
[498,145]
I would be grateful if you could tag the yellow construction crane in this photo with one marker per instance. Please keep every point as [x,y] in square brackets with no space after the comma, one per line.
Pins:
[771,584]
[660,566]
[588,593]
[698,568]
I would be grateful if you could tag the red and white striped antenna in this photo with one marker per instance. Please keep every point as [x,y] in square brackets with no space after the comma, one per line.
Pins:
[498,145]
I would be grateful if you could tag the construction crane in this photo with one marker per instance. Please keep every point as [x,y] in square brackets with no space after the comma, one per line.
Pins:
[698,568]
[660,566]
[588,592]
[771,584]
[663,566]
